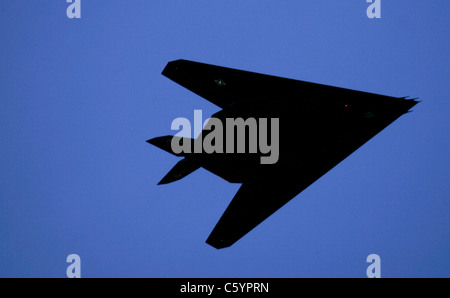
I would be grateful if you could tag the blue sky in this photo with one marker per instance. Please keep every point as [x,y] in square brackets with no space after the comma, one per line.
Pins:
[79,97]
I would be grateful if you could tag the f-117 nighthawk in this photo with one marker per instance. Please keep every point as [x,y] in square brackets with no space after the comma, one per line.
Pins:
[319,126]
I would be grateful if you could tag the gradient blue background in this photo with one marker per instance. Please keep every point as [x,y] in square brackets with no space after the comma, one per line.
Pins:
[79,98]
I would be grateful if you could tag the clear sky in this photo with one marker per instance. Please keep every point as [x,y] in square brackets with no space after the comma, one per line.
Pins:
[79,98]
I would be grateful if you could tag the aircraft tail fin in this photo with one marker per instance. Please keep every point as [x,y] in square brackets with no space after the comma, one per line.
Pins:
[165,143]
[183,168]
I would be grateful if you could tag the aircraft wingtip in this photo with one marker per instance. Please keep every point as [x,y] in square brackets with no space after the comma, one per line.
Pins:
[218,243]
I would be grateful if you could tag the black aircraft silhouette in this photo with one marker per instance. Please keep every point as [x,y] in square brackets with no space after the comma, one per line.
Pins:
[319,126]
